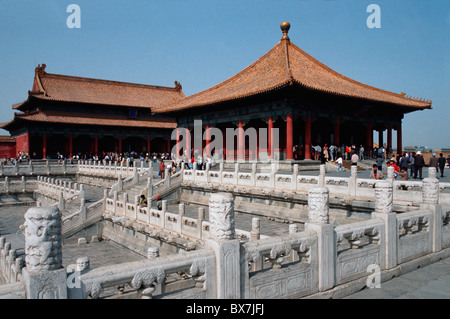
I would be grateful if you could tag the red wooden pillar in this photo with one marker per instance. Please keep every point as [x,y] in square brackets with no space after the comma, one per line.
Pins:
[120,144]
[399,139]
[224,143]
[241,142]
[289,136]
[369,137]
[168,146]
[70,145]
[270,142]
[208,141]
[308,137]
[96,145]
[44,146]
[178,144]
[336,132]
[380,138]
[389,138]
[188,143]
[148,145]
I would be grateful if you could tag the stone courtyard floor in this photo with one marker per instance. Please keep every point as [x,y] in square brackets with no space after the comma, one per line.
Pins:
[429,282]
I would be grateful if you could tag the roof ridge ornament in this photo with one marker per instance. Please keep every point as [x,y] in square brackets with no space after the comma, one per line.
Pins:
[41,69]
[285,26]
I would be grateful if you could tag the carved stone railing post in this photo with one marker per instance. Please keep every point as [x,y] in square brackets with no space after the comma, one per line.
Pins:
[430,201]
[181,213]
[294,177]
[384,195]
[61,201]
[64,166]
[352,181]
[81,194]
[44,275]
[23,184]
[236,173]
[83,210]
[273,172]
[390,174]
[207,169]
[30,168]
[255,234]
[253,176]
[119,183]
[149,192]
[221,165]
[125,201]
[318,221]
[7,185]
[135,175]
[115,198]
[322,175]
[225,246]
[167,177]
[200,219]
[105,197]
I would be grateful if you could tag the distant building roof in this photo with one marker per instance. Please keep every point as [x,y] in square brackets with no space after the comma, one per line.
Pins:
[287,64]
[7,139]
[65,88]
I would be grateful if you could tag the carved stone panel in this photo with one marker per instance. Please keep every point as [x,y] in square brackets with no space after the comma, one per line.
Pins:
[318,199]
[383,197]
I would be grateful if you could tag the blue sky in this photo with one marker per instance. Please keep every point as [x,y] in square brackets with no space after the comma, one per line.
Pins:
[201,43]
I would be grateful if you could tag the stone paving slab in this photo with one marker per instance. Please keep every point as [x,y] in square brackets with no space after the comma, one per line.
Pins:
[430,282]
[102,253]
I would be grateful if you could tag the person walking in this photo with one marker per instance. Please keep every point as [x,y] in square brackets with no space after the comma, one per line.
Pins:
[412,167]
[339,161]
[361,152]
[379,162]
[441,163]
[161,169]
[419,163]
[434,162]
[403,162]
[332,148]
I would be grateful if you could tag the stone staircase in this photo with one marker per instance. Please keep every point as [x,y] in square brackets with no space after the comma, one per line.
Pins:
[94,194]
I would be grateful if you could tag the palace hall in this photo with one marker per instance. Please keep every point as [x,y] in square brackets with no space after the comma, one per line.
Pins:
[286,88]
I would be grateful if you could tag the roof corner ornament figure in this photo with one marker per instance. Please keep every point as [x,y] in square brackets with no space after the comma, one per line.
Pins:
[41,69]
[178,86]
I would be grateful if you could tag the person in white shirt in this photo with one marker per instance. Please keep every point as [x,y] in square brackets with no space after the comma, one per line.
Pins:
[339,161]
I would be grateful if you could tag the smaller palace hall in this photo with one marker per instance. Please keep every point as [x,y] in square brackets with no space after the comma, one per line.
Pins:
[286,88]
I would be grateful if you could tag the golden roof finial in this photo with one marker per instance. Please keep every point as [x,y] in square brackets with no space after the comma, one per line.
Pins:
[285,26]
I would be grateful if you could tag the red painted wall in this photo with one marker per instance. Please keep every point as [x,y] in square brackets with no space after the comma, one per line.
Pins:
[7,149]
[23,143]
